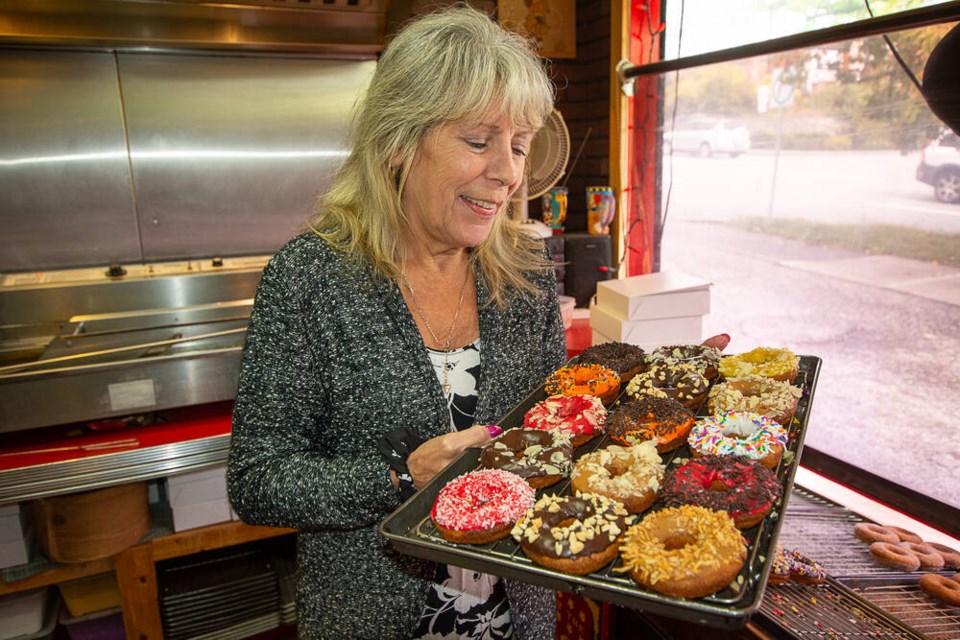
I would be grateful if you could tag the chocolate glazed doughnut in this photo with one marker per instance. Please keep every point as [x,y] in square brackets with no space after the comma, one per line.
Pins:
[626,359]
[573,534]
[542,458]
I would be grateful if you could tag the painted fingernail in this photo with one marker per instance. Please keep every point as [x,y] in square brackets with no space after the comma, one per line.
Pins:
[494,430]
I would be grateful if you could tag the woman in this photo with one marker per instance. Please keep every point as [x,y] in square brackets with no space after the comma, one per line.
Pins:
[415,309]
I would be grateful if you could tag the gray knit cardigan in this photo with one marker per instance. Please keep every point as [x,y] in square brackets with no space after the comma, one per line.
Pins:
[333,361]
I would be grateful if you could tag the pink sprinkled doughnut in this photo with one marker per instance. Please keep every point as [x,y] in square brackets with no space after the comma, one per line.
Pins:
[739,433]
[481,506]
[579,417]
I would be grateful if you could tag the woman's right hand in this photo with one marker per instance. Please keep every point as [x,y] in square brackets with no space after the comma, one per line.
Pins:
[432,456]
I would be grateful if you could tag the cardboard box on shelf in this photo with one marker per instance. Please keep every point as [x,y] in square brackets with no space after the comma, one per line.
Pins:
[655,295]
[660,331]
[16,536]
[199,498]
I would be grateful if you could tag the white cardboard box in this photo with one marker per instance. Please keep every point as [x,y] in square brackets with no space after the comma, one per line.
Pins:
[201,514]
[199,498]
[660,331]
[196,487]
[15,536]
[655,295]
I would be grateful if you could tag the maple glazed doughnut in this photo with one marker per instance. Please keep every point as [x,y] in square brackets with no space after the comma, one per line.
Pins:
[741,434]
[892,555]
[779,364]
[944,589]
[626,359]
[705,359]
[682,382]
[630,475]
[685,552]
[542,458]
[580,417]
[481,506]
[573,534]
[775,399]
[649,418]
[583,380]
[745,490]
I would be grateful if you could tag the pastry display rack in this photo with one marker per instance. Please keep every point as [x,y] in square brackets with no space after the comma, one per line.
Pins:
[411,531]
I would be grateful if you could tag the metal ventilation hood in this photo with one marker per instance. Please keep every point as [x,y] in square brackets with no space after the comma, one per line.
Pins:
[308,26]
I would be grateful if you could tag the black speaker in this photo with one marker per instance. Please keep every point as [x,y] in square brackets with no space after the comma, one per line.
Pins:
[589,261]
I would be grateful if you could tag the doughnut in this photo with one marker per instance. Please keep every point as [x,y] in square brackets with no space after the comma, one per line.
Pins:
[930,558]
[779,567]
[681,382]
[951,557]
[869,532]
[779,364]
[944,589]
[905,535]
[743,489]
[705,359]
[775,399]
[804,570]
[648,418]
[580,417]
[685,552]
[629,475]
[576,534]
[626,359]
[894,556]
[741,434]
[584,380]
[542,458]
[481,506]
[789,564]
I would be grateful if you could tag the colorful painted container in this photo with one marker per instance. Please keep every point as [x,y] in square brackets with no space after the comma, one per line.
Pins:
[555,208]
[601,207]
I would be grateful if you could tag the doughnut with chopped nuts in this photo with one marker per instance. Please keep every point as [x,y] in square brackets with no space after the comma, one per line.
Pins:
[682,382]
[684,552]
[775,399]
[779,364]
[542,458]
[631,475]
[576,534]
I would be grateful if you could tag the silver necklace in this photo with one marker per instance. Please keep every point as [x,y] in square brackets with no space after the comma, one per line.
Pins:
[453,325]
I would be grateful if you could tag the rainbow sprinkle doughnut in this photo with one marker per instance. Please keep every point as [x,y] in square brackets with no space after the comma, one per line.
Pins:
[739,433]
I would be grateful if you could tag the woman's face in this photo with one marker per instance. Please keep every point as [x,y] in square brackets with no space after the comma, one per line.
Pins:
[461,177]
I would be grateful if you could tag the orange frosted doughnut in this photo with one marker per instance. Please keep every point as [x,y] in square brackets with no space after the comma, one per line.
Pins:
[583,380]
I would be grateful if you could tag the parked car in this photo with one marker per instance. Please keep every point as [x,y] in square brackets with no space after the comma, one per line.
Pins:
[706,136]
[940,167]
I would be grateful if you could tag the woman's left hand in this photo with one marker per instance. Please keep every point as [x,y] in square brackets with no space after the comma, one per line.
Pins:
[432,456]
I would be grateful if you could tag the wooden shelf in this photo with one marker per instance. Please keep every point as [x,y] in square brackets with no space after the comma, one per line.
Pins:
[136,571]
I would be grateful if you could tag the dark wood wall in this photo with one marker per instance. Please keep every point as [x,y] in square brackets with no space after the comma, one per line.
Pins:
[583,98]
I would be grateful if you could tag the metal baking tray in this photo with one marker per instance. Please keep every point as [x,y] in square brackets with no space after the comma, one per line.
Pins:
[411,531]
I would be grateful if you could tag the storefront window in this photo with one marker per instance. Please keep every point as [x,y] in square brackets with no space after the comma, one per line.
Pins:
[814,189]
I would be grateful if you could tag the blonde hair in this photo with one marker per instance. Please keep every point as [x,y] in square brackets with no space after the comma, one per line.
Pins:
[448,66]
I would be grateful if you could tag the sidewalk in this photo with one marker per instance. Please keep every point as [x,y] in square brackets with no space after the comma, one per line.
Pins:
[935,282]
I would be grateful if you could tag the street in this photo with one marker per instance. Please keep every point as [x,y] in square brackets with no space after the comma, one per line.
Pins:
[886,396]
[850,187]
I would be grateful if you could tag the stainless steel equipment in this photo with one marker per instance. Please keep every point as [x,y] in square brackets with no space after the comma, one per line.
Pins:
[150,163]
